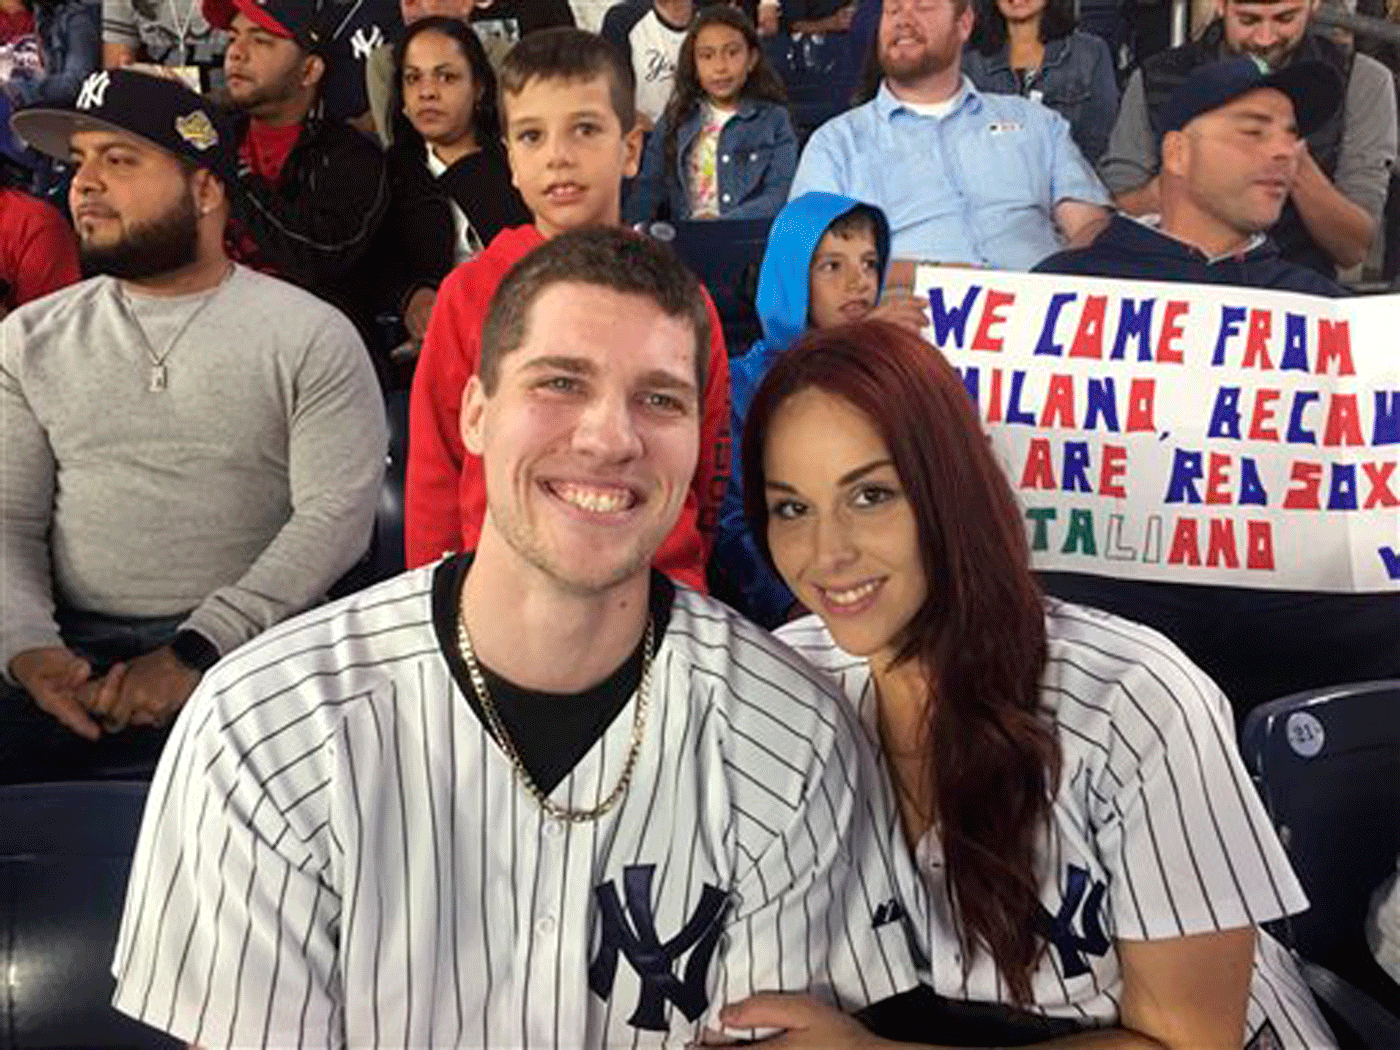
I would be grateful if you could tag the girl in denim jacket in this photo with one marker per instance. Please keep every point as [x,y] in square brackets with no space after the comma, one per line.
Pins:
[724,148]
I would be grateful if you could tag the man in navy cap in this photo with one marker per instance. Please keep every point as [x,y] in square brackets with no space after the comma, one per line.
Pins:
[192,450]
[1231,145]
[314,189]
[1230,153]
[1334,209]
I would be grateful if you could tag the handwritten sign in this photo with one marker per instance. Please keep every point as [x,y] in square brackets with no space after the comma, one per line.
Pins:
[1200,434]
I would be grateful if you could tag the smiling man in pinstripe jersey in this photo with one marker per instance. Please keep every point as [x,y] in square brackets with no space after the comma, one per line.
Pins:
[537,795]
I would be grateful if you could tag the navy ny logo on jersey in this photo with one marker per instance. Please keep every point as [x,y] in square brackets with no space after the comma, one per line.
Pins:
[1086,901]
[888,912]
[633,935]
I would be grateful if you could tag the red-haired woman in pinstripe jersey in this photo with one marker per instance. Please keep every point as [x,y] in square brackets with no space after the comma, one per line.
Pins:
[1086,850]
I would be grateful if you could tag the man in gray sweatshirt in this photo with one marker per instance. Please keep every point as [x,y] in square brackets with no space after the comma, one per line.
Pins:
[192,451]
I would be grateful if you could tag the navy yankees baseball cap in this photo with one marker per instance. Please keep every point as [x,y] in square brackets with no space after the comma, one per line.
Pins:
[304,21]
[161,110]
[1313,88]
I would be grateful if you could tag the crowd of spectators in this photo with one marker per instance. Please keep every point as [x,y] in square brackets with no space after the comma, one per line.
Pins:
[372,168]
[1008,198]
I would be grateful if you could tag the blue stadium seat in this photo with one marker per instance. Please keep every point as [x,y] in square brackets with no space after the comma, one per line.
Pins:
[819,75]
[65,853]
[1327,764]
[385,557]
[388,518]
[726,255]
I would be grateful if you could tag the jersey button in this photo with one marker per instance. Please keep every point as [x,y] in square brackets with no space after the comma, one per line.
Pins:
[545,926]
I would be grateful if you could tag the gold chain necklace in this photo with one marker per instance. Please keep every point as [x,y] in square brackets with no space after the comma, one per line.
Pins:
[498,729]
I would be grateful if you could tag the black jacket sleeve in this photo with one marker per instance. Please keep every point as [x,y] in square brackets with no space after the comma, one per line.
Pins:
[545,14]
[320,218]
[617,26]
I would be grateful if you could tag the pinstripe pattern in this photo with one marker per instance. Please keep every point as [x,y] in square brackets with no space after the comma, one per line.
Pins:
[1153,803]
[336,852]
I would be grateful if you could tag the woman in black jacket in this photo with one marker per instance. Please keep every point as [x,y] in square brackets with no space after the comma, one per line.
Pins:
[449,181]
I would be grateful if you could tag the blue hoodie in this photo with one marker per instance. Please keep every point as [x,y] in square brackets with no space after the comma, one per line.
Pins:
[782,304]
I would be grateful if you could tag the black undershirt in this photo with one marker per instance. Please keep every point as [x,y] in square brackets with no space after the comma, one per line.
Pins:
[551,731]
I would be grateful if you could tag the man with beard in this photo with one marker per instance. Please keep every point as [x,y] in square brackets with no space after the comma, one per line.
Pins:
[1333,210]
[314,190]
[192,452]
[1229,159]
[965,178]
[534,795]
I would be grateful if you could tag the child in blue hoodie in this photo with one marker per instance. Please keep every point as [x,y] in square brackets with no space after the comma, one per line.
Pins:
[824,266]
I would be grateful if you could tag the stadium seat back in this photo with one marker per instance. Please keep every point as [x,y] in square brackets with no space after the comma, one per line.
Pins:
[1327,763]
[388,519]
[726,255]
[819,74]
[65,854]
[385,557]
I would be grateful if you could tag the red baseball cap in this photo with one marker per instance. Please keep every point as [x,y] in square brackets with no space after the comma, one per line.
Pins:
[297,20]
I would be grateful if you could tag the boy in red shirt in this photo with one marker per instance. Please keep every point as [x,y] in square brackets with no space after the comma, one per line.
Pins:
[571,136]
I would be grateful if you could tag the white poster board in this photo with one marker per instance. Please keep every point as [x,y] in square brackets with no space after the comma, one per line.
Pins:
[1200,434]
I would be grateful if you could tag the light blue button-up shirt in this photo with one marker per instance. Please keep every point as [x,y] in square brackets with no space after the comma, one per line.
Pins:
[977,186]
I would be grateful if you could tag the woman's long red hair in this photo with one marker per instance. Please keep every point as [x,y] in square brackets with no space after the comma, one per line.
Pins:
[993,763]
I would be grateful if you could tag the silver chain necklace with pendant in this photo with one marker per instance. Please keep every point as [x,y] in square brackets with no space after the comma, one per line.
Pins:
[159,377]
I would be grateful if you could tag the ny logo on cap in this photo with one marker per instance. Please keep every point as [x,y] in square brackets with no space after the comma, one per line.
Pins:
[365,40]
[94,90]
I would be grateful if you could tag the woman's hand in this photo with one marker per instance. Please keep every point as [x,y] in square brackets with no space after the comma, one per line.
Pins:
[805,1019]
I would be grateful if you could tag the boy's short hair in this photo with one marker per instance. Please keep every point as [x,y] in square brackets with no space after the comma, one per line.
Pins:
[603,256]
[564,53]
[860,219]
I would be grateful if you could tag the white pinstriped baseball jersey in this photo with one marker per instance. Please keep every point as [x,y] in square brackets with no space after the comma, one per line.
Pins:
[335,851]
[1157,831]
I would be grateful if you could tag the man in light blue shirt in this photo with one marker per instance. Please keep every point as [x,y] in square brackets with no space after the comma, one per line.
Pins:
[965,178]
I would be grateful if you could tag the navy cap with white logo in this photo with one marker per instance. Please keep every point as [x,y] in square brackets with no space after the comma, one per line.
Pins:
[159,109]
[1312,87]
